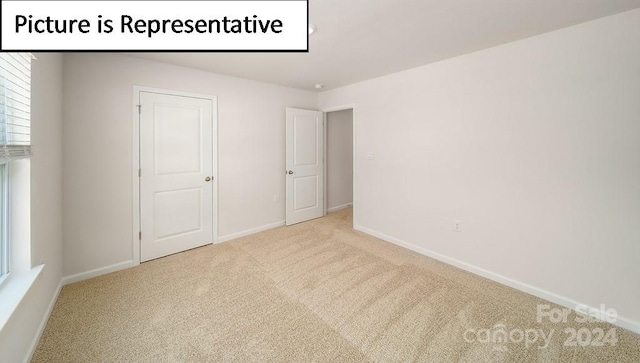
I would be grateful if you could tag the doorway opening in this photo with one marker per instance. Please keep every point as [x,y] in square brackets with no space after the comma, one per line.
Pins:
[339,160]
[320,163]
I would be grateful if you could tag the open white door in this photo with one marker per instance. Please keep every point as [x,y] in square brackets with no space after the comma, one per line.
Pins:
[305,165]
[176,174]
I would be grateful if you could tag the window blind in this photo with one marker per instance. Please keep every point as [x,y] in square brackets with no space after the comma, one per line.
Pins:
[15,105]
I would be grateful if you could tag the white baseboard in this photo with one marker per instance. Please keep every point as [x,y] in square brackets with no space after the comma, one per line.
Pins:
[43,324]
[97,272]
[339,207]
[250,231]
[127,264]
[622,322]
[628,324]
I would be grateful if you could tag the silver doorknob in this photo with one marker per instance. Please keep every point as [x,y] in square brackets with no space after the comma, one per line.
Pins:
[207,179]
[290,172]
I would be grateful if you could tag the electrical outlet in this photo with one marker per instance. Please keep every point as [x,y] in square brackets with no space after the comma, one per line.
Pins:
[457,226]
[276,198]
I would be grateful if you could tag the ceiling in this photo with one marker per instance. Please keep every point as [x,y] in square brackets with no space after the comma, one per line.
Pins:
[358,40]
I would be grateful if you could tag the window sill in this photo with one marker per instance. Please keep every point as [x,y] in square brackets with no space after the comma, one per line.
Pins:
[13,289]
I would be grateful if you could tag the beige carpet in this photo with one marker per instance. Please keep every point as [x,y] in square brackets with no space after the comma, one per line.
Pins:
[314,292]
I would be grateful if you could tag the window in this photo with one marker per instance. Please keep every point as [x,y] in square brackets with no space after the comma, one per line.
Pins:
[15,136]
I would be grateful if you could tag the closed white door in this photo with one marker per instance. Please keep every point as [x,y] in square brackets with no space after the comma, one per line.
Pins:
[176,174]
[305,165]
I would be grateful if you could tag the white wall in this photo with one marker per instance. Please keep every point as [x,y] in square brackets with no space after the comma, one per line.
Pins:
[339,158]
[17,337]
[534,146]
[97,151]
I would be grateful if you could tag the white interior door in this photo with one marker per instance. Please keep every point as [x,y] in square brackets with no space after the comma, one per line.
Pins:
[176,174]
[305,165]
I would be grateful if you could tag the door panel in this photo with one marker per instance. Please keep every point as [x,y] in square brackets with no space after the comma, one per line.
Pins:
[177,212]
[177,152]
[176,157]
[305,152]
[305,136]
[306,192]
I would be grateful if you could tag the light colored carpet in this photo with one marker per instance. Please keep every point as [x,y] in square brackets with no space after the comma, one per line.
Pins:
[314,292]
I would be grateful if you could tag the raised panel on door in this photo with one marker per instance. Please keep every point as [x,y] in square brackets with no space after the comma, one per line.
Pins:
[177,212]
[304,184]
[177,135]
[176,159]
[305,191]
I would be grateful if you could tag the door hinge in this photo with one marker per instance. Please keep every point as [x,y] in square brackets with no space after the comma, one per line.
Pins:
[140,236]
[139,173]
[139,109]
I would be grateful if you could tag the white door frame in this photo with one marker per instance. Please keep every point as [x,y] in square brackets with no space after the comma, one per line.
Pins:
[351,106]
[135,245]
